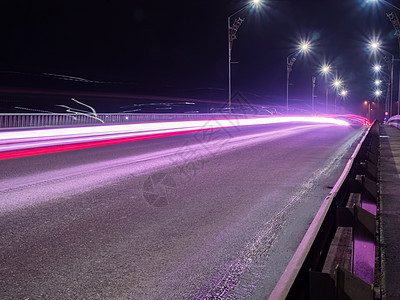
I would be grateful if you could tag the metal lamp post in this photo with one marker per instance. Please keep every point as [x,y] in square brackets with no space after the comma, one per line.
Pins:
[232,30]
[290,60]
[337,83]
[375,46]
[325,70]
[314,79]
[369,109]
[396,24]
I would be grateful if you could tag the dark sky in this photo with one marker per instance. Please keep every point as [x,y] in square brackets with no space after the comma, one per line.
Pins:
[183,44]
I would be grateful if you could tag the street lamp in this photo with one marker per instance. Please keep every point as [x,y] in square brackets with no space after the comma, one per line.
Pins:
[343,93]
[303,47]
[313,79]
[326,70]
[376,47]
[369,109]
[337,83]
[232,30]
[396,24]
[377,82]
[377,68]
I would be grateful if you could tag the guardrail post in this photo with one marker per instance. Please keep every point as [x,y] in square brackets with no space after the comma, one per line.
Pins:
[352,287]
[342,285]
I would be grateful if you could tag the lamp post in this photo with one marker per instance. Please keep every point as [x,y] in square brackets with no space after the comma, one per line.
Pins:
[337,83]
[314,79]
[304,47]
[232,30]
[369,109]
[396,24]
[343,93]
[376,47]
[325,70]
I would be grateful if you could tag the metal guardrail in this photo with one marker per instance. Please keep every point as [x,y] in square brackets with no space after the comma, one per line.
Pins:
[304,277]
[394,121]
[23,120]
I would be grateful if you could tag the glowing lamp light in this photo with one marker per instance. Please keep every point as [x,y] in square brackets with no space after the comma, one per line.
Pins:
[377,93]
[325,69]
[304,46]
[343,93]
[377,82]
[337,83]
[375,45]
[377,68]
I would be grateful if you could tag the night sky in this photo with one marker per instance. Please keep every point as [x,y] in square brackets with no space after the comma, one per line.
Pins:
[155,46]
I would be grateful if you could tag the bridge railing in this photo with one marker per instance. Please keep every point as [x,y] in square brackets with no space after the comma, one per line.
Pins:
[23,120]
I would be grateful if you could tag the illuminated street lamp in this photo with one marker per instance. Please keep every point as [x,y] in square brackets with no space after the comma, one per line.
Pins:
[377,93]
[232,30]
[369,109]
[377,68]
[343,93]
[396,24]
[337,83]
[376,47]
[377,82]
[303,47]
[326,70]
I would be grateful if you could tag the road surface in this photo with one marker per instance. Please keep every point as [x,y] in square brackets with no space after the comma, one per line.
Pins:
[207,215]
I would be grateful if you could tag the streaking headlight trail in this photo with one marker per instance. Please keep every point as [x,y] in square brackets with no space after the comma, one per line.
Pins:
[18,143]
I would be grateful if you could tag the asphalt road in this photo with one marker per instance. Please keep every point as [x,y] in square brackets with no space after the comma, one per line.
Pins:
[213,214]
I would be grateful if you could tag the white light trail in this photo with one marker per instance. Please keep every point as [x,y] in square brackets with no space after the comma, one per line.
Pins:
[81,137]
[167,126]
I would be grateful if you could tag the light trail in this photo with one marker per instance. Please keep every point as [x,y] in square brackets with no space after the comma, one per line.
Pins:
[21,143]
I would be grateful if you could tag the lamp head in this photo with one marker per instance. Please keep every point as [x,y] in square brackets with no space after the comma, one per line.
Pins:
[337,83]
[325,69]
[375,45]
[377,68]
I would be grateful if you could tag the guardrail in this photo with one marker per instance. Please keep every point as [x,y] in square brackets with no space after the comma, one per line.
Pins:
[394,121]
[21,120]
[348,212]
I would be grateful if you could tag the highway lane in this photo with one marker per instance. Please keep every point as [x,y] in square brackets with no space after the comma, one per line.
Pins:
[202,215]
